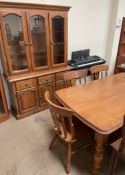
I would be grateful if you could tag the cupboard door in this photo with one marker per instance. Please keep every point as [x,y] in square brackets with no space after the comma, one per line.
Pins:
[39,39]
[15,41]
[58,38]
[28,99]
[51,88]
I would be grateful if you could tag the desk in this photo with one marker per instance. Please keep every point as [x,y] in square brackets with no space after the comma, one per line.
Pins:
[100,104]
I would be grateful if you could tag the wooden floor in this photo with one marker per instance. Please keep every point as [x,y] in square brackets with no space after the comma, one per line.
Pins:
[24,150]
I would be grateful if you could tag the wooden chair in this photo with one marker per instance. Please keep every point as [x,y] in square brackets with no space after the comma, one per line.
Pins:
[71,77]
[68,129]
[118,148]
[98,70]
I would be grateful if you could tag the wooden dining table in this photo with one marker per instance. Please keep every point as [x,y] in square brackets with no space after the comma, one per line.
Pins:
[100,104]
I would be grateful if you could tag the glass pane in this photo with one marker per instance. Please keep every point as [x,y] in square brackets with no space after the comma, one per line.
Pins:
[1,105]
[37,28]
[58,39]
[15,39]
[58,53]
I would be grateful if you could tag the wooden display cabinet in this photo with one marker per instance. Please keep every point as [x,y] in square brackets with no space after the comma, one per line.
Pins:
[3,103]
[34,39]
[121,48]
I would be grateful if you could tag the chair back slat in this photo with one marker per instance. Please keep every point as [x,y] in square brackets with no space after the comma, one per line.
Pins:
[122,144]
[99,70]
[62,118]
[70,78]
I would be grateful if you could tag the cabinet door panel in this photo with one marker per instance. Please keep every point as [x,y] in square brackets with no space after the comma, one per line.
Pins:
[39,39]
[58,37]
[28,100]
[51,88]
[15,41]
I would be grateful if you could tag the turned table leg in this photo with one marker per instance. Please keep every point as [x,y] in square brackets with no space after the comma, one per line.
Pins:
[101,141]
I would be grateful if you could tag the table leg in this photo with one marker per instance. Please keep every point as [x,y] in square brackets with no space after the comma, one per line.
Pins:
[101,141]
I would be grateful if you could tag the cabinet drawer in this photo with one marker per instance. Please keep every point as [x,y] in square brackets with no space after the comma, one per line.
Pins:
[59,76]
[26,84]
[46,79]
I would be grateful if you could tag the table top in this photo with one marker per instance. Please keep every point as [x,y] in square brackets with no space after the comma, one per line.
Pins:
[99,103]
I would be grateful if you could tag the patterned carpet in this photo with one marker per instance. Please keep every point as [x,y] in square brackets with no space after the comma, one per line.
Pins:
[24,150]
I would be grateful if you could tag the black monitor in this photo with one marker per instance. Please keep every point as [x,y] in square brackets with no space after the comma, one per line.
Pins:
[79,55]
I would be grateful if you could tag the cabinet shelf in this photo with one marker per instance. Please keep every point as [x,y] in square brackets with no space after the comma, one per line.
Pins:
[60,43]
[122,42]
[38,32]
[17,54]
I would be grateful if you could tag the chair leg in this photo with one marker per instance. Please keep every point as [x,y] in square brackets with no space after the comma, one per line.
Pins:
[114,158]
[52,142]
[69,154]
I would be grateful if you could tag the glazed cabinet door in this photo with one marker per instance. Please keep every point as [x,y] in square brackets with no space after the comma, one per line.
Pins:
[51,88]
[38,39]
[58,38]
[28,99]
[13,24]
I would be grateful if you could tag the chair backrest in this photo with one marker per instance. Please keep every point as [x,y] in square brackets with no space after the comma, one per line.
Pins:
[122,144]
[71,77]
[99,70]
[62,118]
